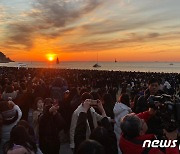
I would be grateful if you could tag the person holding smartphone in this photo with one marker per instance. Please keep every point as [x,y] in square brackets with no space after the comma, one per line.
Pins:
[92,116]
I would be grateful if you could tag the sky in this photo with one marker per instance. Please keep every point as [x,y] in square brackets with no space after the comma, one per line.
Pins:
[78,30]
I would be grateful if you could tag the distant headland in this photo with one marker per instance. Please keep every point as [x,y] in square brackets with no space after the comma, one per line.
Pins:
[4,59]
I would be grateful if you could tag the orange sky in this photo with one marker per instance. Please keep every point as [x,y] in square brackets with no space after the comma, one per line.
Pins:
[76,30]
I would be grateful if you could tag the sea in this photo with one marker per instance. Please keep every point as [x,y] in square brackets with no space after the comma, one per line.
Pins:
[165,67]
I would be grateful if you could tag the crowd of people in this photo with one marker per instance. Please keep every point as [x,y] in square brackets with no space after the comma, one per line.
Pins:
[99,112]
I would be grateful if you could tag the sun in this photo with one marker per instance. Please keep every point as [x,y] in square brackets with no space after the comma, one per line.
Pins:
[50,57]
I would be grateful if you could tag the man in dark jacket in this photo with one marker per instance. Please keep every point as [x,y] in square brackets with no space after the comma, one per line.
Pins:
[154,123]
[134,129]
[153,89]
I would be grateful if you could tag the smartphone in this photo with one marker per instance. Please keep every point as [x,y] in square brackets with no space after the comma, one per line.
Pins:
[94,102]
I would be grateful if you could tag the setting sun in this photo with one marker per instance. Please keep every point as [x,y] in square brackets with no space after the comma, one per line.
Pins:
[50,57]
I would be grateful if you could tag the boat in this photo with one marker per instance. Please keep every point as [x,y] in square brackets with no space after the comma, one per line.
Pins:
[171,64]
[115,60]
[57,60]
[97,65]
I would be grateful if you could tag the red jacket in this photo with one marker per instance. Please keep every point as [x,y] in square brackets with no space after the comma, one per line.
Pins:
[128,147]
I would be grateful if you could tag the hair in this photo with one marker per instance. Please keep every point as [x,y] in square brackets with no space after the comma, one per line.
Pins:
[35,102]
[85,96]
[108,105]
[4,106]
[58,82]
[131,125]
[73,91]
[90,147]
[1,124]
[83,90]
[28,128]
[124,98]
[101,91]
[23,86]
[101,135]
[95,95]
[19,136]
[9,89]
[1,89]
[107,98]
[153,80]
[48,102]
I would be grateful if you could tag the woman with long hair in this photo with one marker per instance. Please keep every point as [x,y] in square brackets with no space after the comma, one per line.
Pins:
[38,110]
[20,142]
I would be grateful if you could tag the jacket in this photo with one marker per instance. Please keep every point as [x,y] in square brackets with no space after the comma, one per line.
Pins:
[141,104]
[120,110]
[109,141]
[95,116]
[49,128]
[6,129]
[128,147]
[20,150]
[35,122]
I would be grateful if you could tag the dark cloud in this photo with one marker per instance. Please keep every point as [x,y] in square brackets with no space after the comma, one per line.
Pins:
[55,18]
[58,13]
[49,19]
[21,34]
[153,35]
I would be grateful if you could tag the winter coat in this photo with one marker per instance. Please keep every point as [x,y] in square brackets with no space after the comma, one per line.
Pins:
[49,128]
[6,129]
[35,122]
[128,146]
[5,96]
[120,110]
[141,104]
[95,116]
[80,134]
[17,149]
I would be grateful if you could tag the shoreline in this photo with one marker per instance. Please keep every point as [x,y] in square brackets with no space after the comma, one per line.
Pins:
[105,66]
[95,70]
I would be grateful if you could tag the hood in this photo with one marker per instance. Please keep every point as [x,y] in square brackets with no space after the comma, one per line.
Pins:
[120,107]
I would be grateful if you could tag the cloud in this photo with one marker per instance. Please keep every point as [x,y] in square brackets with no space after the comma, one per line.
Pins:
[153,35]
[21,34]
[3,15]
[48,18]
[58,18]
[101,45]
[117,24]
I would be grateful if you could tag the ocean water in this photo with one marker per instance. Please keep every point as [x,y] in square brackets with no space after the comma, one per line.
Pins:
[119,66]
